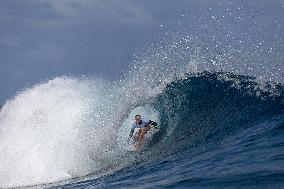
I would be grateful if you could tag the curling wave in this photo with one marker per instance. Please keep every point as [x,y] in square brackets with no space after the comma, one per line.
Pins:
[63,129]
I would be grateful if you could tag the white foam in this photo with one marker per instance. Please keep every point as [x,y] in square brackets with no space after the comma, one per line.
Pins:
[43,133]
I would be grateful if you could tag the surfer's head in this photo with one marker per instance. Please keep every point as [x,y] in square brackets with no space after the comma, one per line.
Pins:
[137,119]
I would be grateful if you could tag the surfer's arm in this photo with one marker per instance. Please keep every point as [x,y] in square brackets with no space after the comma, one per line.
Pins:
[150,122]
[153,123]
[131,132]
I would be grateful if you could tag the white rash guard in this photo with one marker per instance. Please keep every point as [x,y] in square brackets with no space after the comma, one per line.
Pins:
[135,125]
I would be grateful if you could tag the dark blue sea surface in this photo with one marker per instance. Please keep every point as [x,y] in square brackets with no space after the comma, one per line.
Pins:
[227,132]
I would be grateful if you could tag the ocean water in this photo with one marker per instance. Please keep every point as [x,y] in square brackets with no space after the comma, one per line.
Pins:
[216,92]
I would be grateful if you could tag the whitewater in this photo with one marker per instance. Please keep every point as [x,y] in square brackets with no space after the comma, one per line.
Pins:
[217,94]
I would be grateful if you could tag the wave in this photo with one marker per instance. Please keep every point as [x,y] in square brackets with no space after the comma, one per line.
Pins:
[68,127]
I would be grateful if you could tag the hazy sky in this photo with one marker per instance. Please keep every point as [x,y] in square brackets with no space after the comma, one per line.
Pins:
[41,39]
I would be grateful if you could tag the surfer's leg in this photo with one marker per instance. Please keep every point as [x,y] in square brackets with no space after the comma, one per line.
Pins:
[144,131]
[137,135]
[141,133]
[141,137]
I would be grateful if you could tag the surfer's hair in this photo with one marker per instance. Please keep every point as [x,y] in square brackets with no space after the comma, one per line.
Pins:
[137,115]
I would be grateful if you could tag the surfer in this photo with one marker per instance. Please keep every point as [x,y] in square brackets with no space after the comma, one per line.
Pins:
[144,127]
